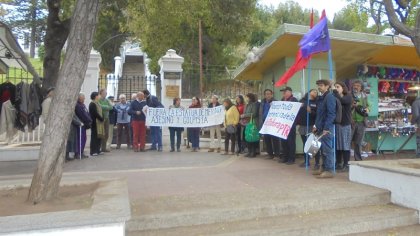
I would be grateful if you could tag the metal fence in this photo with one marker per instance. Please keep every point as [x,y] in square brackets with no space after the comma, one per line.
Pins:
[221,84]
[17,75]
[129,84]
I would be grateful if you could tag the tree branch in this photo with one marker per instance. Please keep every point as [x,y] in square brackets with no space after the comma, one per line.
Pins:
[417,29]
[395,22]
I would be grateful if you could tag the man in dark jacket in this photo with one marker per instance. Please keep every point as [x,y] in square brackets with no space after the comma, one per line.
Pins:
[83,114]
[324,125]
[138,122]
[272,143]
[155,131]
[289,145]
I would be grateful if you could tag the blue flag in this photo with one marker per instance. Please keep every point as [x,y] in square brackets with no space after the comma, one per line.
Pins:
[316,40]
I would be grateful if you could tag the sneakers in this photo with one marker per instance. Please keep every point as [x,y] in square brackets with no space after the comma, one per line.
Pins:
[211,150]
[219,150]
[325,175]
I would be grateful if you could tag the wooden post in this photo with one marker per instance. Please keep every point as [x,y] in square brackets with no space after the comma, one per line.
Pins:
[200,48]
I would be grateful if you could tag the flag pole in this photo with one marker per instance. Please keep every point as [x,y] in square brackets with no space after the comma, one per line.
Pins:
[331,78]
[307,113]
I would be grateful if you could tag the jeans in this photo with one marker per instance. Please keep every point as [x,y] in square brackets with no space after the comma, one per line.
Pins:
[195,137]
[139,134]
[358,134]
[123,127]
[327,152]
[272,143]
[178,132]
[156,133]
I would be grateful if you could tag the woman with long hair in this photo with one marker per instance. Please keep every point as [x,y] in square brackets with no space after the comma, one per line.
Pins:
[195,132]
[343,130]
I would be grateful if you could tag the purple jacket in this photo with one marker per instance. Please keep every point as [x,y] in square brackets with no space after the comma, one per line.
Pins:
[83,114]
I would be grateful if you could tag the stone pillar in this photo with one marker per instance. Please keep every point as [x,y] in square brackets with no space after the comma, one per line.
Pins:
[171,77]
[90,83]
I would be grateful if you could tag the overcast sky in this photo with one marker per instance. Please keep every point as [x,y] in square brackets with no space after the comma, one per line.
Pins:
[330,6]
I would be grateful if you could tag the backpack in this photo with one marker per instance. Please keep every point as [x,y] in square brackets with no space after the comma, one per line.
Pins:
[339,111]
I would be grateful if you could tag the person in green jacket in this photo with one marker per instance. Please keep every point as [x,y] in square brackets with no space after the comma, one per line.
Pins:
[360,111]
[106,107]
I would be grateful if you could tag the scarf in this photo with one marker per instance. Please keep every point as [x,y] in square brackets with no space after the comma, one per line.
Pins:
[100,128]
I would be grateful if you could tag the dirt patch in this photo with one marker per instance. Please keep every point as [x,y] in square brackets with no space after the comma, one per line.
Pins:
[74,197]
[411,165]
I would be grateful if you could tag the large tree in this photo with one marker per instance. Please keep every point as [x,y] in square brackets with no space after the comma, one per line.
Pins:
[58,28]
[160,25]
[413,32]
[27,20]
[47,176]
[351,19]
[111,31]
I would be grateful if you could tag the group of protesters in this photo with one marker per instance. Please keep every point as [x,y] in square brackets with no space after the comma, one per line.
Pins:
[317,115]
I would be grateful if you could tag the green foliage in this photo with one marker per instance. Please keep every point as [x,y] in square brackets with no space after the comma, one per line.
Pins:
[110,33]
[27,16]
[351,19]
[292,13]
[406,11]
[160,25]
[41,52]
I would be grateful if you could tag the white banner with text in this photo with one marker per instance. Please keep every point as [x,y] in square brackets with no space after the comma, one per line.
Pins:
[189,117]
[280,118]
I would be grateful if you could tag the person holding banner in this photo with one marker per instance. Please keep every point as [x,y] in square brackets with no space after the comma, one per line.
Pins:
[138,122]
[289,145]
[215,129]
[306,123]
[176,130]
[251,115]
[272,142]
[195,132]
[156,131]
[324,128]
[231,122]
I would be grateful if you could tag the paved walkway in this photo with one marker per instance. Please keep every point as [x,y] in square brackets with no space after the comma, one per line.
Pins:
[153,174]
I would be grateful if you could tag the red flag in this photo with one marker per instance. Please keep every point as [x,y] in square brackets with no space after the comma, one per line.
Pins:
[311,23]
[323,15]
[299,64]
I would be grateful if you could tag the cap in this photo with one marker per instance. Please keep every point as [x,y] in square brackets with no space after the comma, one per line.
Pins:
[286,89]
[111,97]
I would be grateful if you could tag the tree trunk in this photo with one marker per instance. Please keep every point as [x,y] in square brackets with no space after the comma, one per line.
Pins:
[55,38]
[412,32]
[47,176]
[33,29]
